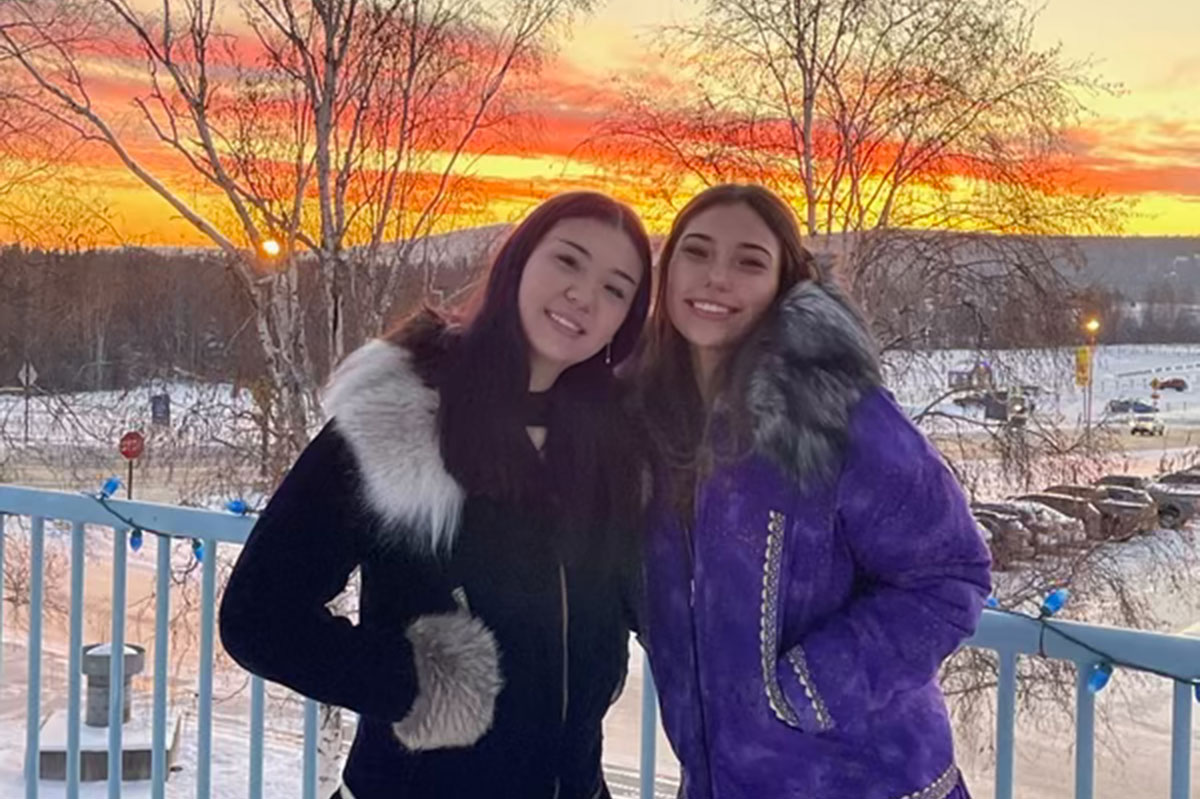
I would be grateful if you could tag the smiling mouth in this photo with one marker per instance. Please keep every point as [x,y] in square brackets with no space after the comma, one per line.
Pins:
[565,324]
[711,310]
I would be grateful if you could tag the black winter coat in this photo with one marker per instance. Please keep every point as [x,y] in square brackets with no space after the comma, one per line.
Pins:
[483,661]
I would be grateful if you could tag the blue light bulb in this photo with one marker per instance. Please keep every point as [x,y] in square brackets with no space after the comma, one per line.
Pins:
[1101,673]
[198,549]
[1054,602]
[237,506]
[135,540]
[110,486]
[992,602]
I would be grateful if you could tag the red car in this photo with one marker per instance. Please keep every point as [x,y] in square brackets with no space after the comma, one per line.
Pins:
[1173,383]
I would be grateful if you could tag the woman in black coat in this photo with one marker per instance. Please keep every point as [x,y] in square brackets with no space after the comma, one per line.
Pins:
[482,479]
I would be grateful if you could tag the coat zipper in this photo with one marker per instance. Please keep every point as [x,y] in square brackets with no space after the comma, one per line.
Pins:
[566,661]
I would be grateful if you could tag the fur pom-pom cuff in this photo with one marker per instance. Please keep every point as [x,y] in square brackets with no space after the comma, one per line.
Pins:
[458,678]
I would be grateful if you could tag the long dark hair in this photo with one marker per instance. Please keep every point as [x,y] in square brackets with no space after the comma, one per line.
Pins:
[674,413]
[481,370]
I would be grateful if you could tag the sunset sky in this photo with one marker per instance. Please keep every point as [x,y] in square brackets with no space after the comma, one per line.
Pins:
[1143,144]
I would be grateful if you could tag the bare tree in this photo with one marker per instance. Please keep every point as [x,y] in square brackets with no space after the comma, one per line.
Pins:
[878,118]
[333,129]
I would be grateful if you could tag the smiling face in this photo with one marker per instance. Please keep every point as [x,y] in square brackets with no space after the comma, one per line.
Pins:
[576,290]
[722,277]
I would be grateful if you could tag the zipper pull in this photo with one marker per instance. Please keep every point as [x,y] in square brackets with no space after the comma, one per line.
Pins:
[460,599]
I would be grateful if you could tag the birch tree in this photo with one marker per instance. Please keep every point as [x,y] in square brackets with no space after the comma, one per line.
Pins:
[875,119]
[337,130]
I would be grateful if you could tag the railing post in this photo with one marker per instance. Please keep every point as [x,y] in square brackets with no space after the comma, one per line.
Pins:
[33,704]
[649,730]
[74,659]
[309,789]
[1006,712]
[1181,742]
[1085,733]
[257,702]
[208,600]
[3,534]
[162,617]
[116,665]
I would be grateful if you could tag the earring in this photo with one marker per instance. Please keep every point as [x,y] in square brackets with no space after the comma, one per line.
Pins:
[608,354]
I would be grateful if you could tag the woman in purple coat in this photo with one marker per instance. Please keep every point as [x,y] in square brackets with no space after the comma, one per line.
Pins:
[810,560]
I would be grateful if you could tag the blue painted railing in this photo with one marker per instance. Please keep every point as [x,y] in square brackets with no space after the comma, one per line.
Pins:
[1009,636]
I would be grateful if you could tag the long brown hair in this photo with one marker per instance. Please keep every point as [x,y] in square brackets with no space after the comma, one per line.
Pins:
[484,381]
[669,399]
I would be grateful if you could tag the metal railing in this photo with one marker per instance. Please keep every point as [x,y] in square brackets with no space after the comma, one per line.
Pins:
[1009,636]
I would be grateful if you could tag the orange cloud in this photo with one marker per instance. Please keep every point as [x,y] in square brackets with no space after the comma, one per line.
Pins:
[548,143]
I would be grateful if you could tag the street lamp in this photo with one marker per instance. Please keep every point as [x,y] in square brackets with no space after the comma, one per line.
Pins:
[1092,327]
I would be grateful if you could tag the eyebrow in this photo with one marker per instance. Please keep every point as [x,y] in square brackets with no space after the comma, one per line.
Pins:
[626,275]
[579,247]
[749,244]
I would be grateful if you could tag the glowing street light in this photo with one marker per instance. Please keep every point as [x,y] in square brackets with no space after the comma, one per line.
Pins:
[271,248]
[1092,326]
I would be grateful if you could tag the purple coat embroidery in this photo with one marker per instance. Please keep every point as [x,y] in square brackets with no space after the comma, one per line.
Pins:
[797,624]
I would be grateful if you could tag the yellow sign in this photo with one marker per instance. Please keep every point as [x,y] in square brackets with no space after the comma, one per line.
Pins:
[1083,366]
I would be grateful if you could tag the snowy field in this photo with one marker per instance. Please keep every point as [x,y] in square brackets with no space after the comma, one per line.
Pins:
[204,413]
[1119,372]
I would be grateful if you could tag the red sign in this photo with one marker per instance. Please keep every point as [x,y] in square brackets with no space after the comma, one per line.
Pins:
[132,445]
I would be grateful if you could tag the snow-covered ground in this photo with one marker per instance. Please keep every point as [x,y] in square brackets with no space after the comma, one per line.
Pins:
[200,413]
[1119,372]
[207,413]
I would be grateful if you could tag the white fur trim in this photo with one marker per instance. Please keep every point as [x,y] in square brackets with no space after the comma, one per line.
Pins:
[388,416]
[458,674]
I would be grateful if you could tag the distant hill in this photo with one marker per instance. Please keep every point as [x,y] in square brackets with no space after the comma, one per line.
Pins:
[1130,265]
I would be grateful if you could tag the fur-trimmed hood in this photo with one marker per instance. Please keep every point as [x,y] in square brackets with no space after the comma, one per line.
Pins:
[388,415]
[814,362]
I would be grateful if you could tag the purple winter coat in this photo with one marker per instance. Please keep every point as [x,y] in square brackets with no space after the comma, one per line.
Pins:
[796,625]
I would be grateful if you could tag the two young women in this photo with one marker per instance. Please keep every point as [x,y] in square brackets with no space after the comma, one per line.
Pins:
[796,557]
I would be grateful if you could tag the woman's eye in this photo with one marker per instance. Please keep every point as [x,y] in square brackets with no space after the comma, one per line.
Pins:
[568,261]
[615,291]
[754,264]
[695,252]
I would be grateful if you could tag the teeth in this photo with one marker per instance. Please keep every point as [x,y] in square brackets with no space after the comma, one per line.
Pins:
[565,322]
[710,307]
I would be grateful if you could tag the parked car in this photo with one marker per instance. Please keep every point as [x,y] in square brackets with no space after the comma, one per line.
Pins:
[1008,539]
[1175,507]
[1052,531]
[1117,406]
[1141,406]
[1076,508]
[1182,491]
[1125,512]
[1146,425]
[1173,383]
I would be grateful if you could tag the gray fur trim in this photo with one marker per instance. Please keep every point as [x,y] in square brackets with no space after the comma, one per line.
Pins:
[815,361]
[388,416]
[458,678]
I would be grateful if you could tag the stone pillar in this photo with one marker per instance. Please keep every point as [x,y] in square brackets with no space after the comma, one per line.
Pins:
[96,659]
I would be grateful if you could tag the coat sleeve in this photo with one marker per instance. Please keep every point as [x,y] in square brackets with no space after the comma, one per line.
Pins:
[436,681]
[923,575]
[273,619]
